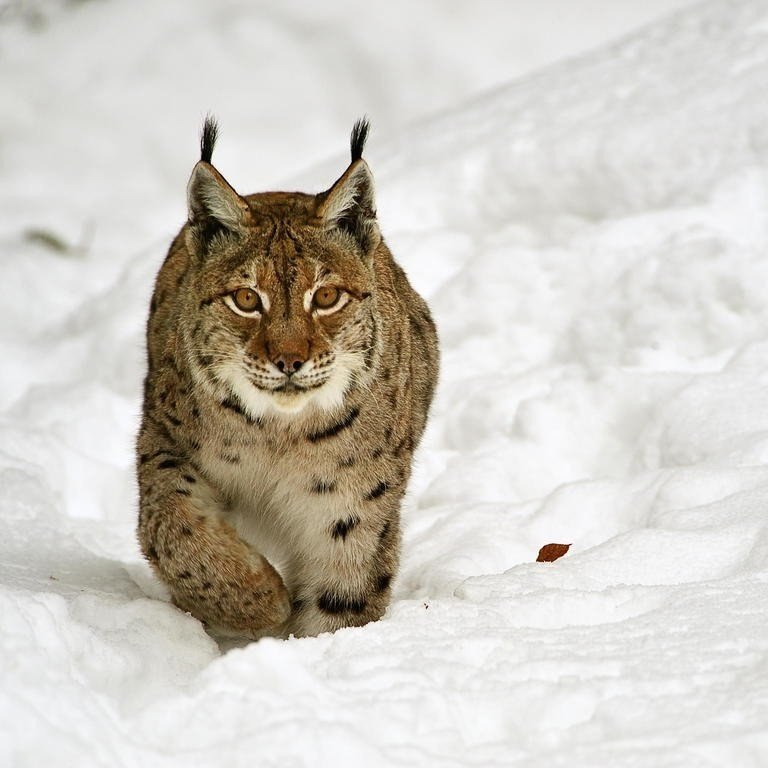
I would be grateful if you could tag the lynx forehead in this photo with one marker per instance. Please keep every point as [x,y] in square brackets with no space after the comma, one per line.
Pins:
[290,371]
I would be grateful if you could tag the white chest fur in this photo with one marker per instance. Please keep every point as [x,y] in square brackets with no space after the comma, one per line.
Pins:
[277,503]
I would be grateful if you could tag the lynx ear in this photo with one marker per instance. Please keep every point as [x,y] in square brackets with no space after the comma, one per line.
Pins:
[350,204]
[212,202]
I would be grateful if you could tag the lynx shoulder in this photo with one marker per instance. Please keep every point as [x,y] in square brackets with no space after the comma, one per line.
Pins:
[291,367]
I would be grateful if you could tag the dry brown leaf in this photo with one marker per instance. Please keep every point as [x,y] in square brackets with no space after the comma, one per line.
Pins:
[551,552]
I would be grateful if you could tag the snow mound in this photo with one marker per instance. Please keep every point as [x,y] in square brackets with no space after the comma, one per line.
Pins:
[593,243]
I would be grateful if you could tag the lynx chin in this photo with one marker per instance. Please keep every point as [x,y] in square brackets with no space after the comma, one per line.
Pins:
[291,367]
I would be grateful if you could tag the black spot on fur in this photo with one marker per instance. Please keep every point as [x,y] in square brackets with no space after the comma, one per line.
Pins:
[347,421]
[150,456]
[208,138]
[189,478]
[232,405]
[297,604]
[298,248]
[350,461]
[170,362]
[385,531]
[383,582]
[379,490]
[186,530]
[152,553]
[342,527]
[335,604]
[169,464]
[183,491]
[153,305]
[230,458]
[323,486]
[358,138]
[184,575]
[206,585]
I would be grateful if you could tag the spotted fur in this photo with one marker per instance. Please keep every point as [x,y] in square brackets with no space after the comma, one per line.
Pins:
[275,448]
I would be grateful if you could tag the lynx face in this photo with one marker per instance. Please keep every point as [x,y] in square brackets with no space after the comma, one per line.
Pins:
[281,303]
[283,318]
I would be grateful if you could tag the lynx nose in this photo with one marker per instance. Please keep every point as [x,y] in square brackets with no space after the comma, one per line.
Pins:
[289,362]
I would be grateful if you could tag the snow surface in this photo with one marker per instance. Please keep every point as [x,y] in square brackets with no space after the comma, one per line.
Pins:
[592,239]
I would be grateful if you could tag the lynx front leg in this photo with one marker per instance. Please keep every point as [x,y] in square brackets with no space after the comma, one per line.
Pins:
[350,585]
[210,570]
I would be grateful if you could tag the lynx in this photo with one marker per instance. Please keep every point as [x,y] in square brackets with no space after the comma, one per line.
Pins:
[291,367]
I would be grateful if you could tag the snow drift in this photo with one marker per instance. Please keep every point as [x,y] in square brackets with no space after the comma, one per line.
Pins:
[593,241]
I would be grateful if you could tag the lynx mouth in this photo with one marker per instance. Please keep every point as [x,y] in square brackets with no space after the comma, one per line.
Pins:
[291,396]
[288,388]
[261,396]
[292,387]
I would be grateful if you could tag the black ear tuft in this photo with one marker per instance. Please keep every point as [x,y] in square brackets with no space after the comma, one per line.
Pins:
[208,137]
[358,138]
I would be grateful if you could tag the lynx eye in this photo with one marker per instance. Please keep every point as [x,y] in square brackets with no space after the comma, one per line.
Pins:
[246,300]
[326,297]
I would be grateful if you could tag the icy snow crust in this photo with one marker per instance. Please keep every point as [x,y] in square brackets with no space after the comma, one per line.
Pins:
[593,241]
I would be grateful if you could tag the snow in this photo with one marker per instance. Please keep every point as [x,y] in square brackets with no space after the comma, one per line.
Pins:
[591,237]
